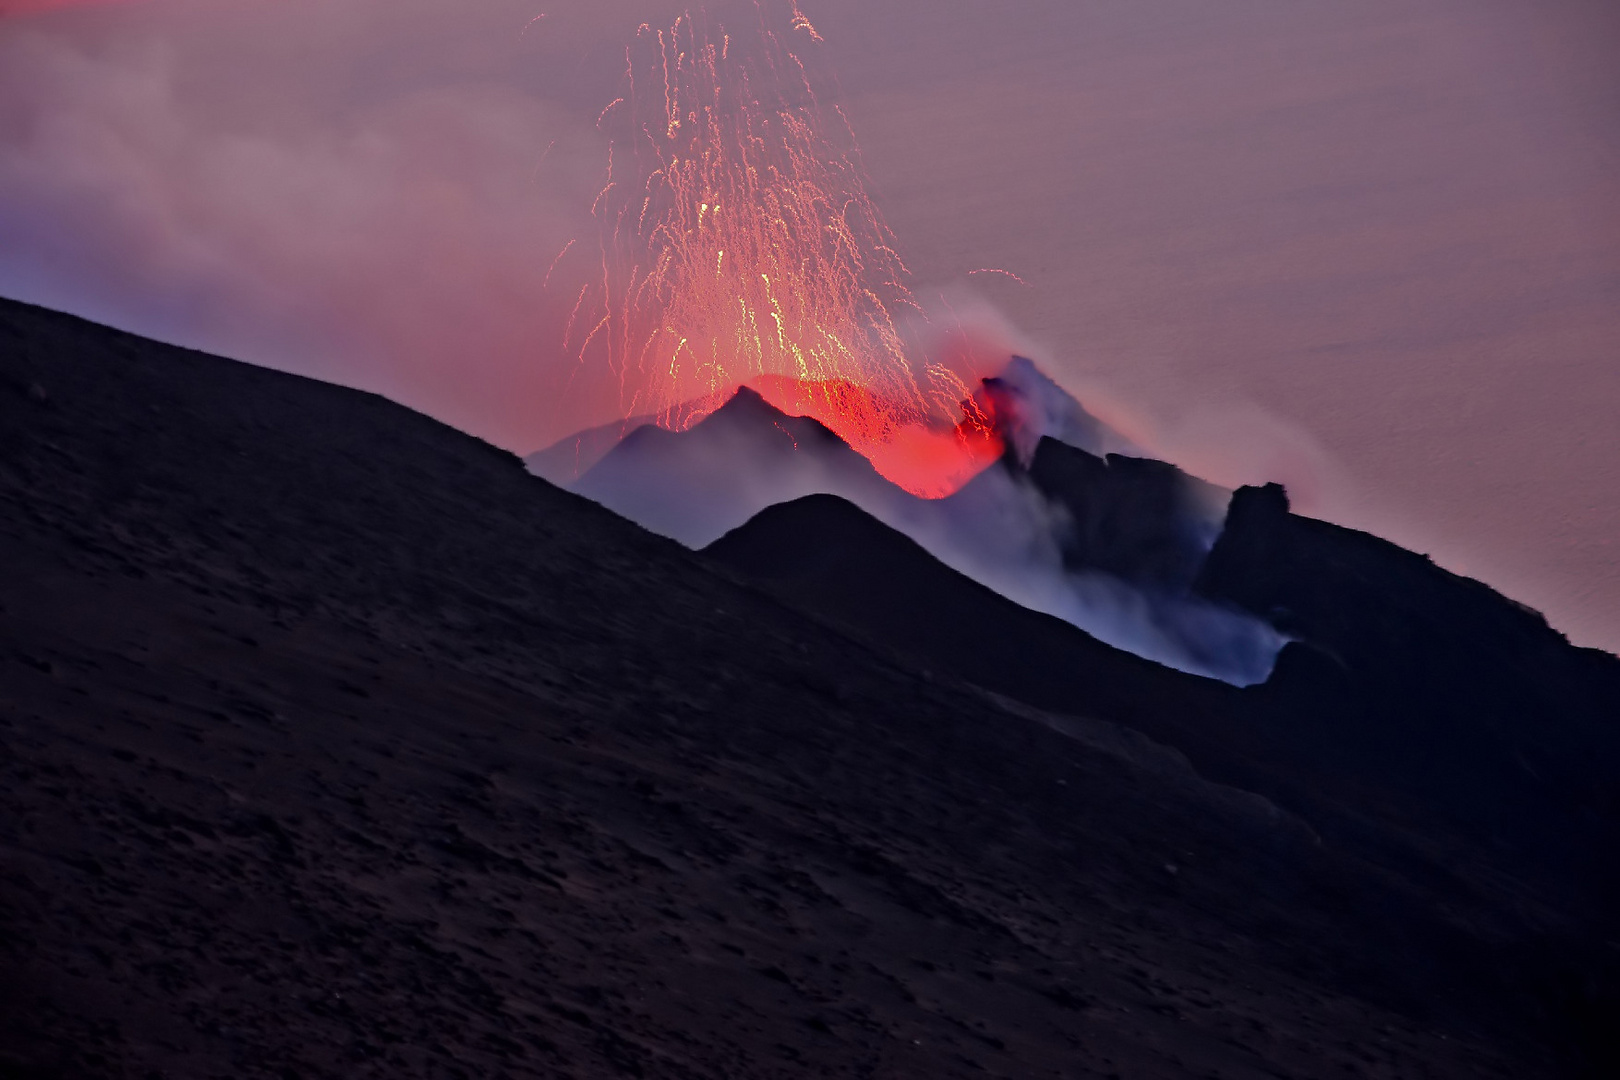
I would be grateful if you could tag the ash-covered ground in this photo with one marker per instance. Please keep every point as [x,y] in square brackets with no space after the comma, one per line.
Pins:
[334,744]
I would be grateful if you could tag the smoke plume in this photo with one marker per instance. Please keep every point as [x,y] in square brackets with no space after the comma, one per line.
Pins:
[222,176]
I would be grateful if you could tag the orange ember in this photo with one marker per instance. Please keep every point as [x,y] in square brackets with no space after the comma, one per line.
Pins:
[739,246]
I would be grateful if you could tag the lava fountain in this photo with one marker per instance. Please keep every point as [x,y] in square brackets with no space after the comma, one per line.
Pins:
[738,245]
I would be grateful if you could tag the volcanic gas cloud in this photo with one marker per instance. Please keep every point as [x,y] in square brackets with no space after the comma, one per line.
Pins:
[738,245]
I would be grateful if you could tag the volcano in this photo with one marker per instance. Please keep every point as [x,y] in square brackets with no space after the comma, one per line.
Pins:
[334,744]
[1109,542]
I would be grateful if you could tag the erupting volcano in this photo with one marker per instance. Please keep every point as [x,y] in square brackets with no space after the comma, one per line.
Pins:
[738,245]
[751,303]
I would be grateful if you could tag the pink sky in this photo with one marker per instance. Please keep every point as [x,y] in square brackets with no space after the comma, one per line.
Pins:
[1371,248]
[25,7]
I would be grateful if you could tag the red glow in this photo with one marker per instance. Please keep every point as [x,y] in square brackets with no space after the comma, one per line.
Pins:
[930,460]
[739,245]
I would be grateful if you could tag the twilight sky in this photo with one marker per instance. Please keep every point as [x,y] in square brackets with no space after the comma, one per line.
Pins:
[1370,248]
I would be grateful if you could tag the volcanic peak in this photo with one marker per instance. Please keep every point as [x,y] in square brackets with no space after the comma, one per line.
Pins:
[694,485]
[748,410]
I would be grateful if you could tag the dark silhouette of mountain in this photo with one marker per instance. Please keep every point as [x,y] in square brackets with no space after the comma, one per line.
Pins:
[1458,696]
[1492,724]
[333,744]
[1433,727]
[827,554]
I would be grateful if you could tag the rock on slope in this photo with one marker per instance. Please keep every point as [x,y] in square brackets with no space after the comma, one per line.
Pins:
[332,744]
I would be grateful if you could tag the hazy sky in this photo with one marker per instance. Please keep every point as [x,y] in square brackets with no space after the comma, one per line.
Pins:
[1371,247]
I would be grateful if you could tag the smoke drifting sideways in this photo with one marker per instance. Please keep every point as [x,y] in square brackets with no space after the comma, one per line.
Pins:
[361,192]
[1017,532]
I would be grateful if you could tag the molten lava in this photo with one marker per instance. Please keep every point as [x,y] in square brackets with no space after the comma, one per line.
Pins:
[739,246]
[930,459]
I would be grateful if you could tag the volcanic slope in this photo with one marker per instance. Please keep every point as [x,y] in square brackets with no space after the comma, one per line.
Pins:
[1411,699]
[333,744]
[1419,720]
[823,553]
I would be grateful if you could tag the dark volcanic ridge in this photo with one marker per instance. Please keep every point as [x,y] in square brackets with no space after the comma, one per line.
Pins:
[332,744]
[1108,542]
[1410,701]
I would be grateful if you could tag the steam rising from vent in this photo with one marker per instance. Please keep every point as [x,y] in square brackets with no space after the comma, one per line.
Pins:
[1032,407]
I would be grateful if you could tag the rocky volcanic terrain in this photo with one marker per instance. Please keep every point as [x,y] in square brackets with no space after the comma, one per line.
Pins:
[333,744]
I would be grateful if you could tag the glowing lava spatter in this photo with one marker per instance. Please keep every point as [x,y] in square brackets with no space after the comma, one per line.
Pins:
[739,245]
